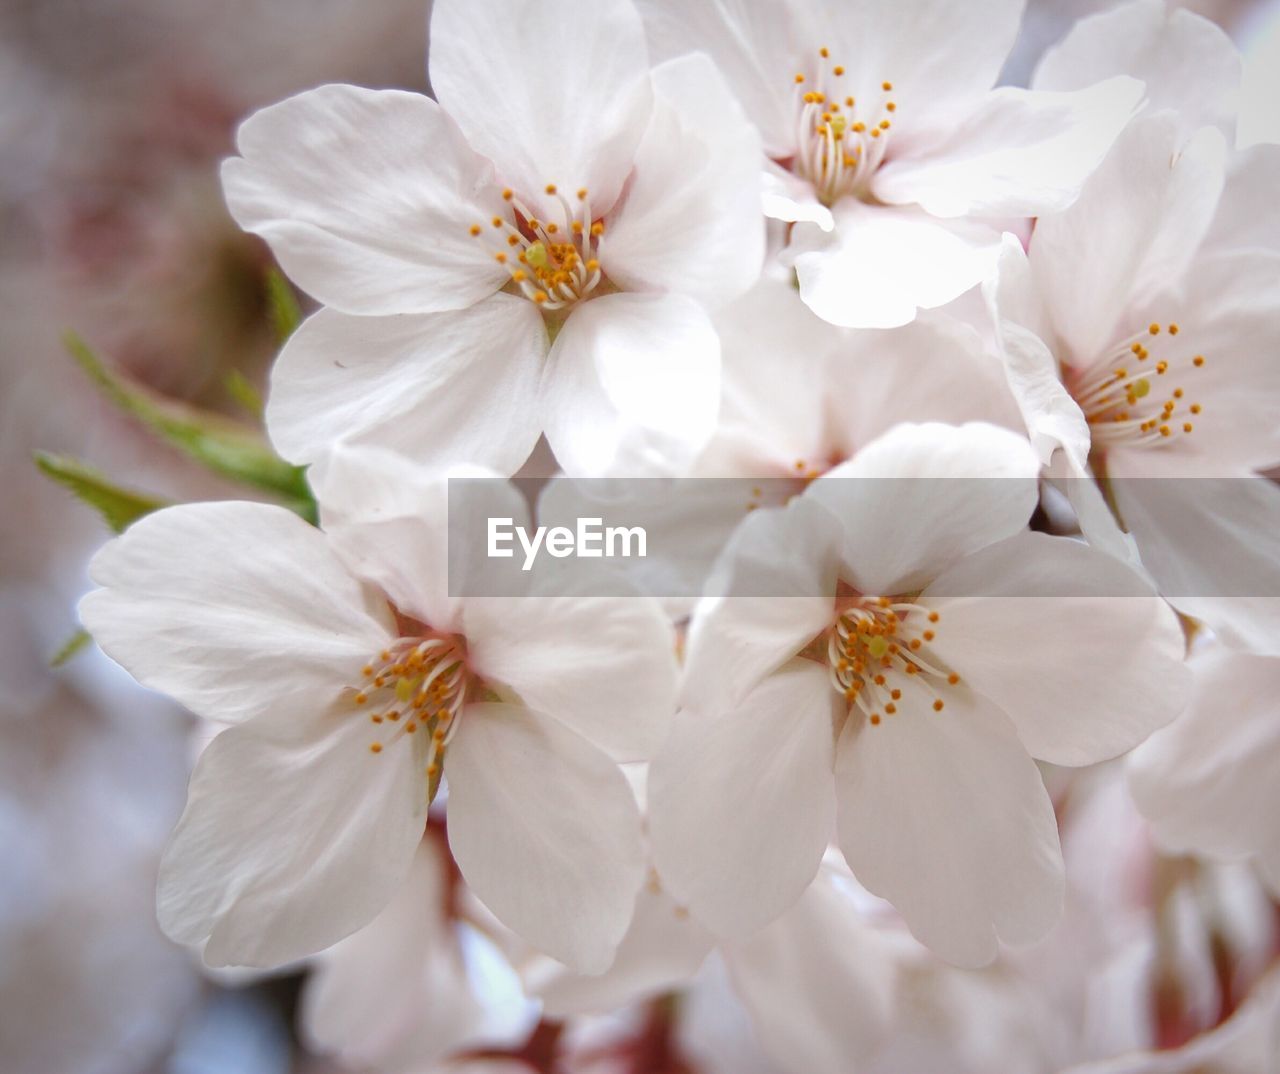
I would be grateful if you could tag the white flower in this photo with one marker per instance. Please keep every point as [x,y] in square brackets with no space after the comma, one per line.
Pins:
[558,189]
[354,681]
[889,655]
[886,143]
[1138,332]
[1208,781]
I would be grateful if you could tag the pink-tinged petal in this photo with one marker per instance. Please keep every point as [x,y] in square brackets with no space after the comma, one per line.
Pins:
[632,385]
[1070,643]
[882,263]
[1134,230]
[296,833]
[1208,781]
[741,800]
[546,832]
[233,609]
[603,666]
[366,198]
[945,815]
[1053,418]
[689,220]
[1211,544]
[1187,63]
[1020,153]
[441,389]
[662,949]
[922,497]
[765,603]
[554,94]
[756,46]
[819,983]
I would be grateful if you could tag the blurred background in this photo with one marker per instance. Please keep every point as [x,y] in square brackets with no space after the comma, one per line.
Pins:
[114,115]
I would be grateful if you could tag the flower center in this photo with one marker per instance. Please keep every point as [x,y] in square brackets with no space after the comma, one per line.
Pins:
[414,690]
[840,140]
[873,642]
[553,264]
[1135,397]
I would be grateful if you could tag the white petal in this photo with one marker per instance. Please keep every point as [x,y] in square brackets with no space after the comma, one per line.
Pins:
[741,800]
[689,221]
[1020,153]
[945,815]
[921,497]
[1134,229]
[367,198]
[882,263]
[603,666]
[1245,213]
[756,47]
[785,196]
[399,981]
[440,388]
[550,95]
[1212,546]
[1187,63]
[773,591]
[546,832]
[819,983]
[632,385]
[233,609]
[1207,782]
[662,949]
[295,835]
[1053,418]
[1069,642]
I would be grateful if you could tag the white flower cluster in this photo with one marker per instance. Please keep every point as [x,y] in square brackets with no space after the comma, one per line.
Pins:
[1010,355]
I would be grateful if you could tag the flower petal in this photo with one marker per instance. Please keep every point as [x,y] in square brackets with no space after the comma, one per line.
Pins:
[1021,153]
[632,385]
[556,95]
[819,983]
[546,832]
[1188,64]
[922,497]
[1207,782]
[882,263]
[233,609]
[1136,226]
[440,388]
[946,816]
[741,801]
[366,198]
[1069,642]
[295,835]
[689,220]
[605,667]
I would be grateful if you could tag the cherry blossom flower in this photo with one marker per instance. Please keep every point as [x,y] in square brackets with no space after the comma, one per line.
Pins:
[887,145]
[1137,335]
[535,252]
[354,683]
[887,656]
[1207,781]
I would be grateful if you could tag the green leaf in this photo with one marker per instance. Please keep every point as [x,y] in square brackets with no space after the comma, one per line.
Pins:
[226,447]
[285,313]
[70,648]
[118,506]
[246,396]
